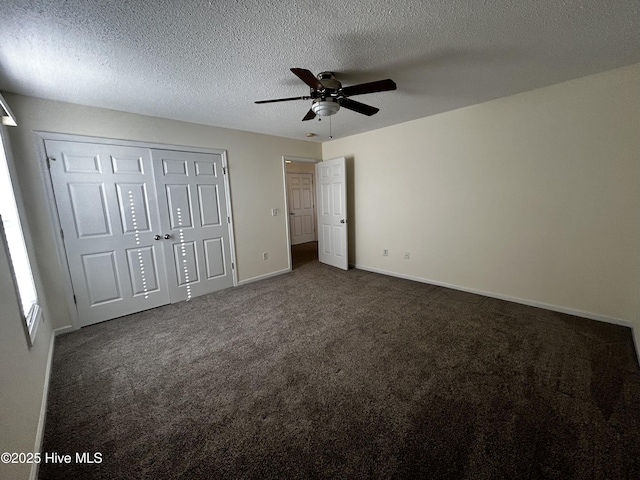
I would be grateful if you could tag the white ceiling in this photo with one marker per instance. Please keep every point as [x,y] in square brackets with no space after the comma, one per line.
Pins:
[207,61]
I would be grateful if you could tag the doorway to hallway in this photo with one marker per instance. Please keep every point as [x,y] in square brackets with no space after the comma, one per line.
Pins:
[304,254]
[302,240]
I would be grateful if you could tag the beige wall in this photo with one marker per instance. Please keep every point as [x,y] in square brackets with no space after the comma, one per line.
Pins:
[534,196]
[22,377]
[255,174]
[301,167]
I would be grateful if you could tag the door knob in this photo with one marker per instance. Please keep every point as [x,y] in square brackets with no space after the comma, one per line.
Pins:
[157,237]
[167,236]
[342,221]
[292,213]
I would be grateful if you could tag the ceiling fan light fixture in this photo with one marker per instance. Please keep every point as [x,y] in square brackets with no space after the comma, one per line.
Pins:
[325,107]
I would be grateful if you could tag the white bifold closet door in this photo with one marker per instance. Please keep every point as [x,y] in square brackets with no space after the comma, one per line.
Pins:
[193,213]
[141,227]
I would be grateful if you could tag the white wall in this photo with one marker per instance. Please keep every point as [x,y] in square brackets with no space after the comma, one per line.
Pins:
[255,174]
[534,196]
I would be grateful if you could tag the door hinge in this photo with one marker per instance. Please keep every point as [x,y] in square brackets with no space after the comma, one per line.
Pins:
[49,160]
[228,219]
[224,170]
[233,266]
[74,300]
[62,233]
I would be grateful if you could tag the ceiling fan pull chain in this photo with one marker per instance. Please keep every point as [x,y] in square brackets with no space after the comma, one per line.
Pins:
[330,134]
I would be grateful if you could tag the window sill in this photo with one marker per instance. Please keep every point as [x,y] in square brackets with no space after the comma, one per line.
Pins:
[32,323]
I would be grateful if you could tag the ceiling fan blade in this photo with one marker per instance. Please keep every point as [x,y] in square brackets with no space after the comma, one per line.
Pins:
[371,87]
[307,77]
[310,115]
[283,99]
[358,107]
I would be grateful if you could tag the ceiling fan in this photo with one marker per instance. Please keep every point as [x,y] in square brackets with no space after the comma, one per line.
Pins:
[329,95]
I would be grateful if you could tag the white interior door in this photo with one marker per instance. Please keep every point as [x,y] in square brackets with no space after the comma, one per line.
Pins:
[194,222]
[332,213]
[301,208]
[106,200]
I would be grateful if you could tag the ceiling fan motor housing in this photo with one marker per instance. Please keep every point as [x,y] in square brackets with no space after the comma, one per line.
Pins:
[328,80]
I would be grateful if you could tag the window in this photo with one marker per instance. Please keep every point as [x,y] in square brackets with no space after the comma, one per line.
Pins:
[12,237]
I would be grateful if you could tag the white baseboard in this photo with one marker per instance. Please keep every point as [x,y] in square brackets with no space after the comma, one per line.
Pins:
[61,330]
[523,301]
[262,277]
[35,467]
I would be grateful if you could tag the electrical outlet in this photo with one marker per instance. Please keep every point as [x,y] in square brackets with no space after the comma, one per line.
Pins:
[265,255]
[407,255]
[385,253]
[274,212]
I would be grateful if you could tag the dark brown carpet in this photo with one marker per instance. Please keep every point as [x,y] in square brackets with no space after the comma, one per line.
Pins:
[322,373]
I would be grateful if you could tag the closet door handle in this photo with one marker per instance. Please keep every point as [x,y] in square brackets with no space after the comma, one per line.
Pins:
[157,237]
[167,236]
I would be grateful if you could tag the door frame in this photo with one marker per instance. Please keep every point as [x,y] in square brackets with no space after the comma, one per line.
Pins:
[41,137]
[291,158]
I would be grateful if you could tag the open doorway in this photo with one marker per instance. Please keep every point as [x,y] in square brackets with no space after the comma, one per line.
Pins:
[300,195]
[304,254]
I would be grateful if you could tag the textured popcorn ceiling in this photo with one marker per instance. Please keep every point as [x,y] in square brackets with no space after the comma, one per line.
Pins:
[207,61]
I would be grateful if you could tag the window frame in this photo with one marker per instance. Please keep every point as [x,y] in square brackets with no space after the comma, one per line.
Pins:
[30,320]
